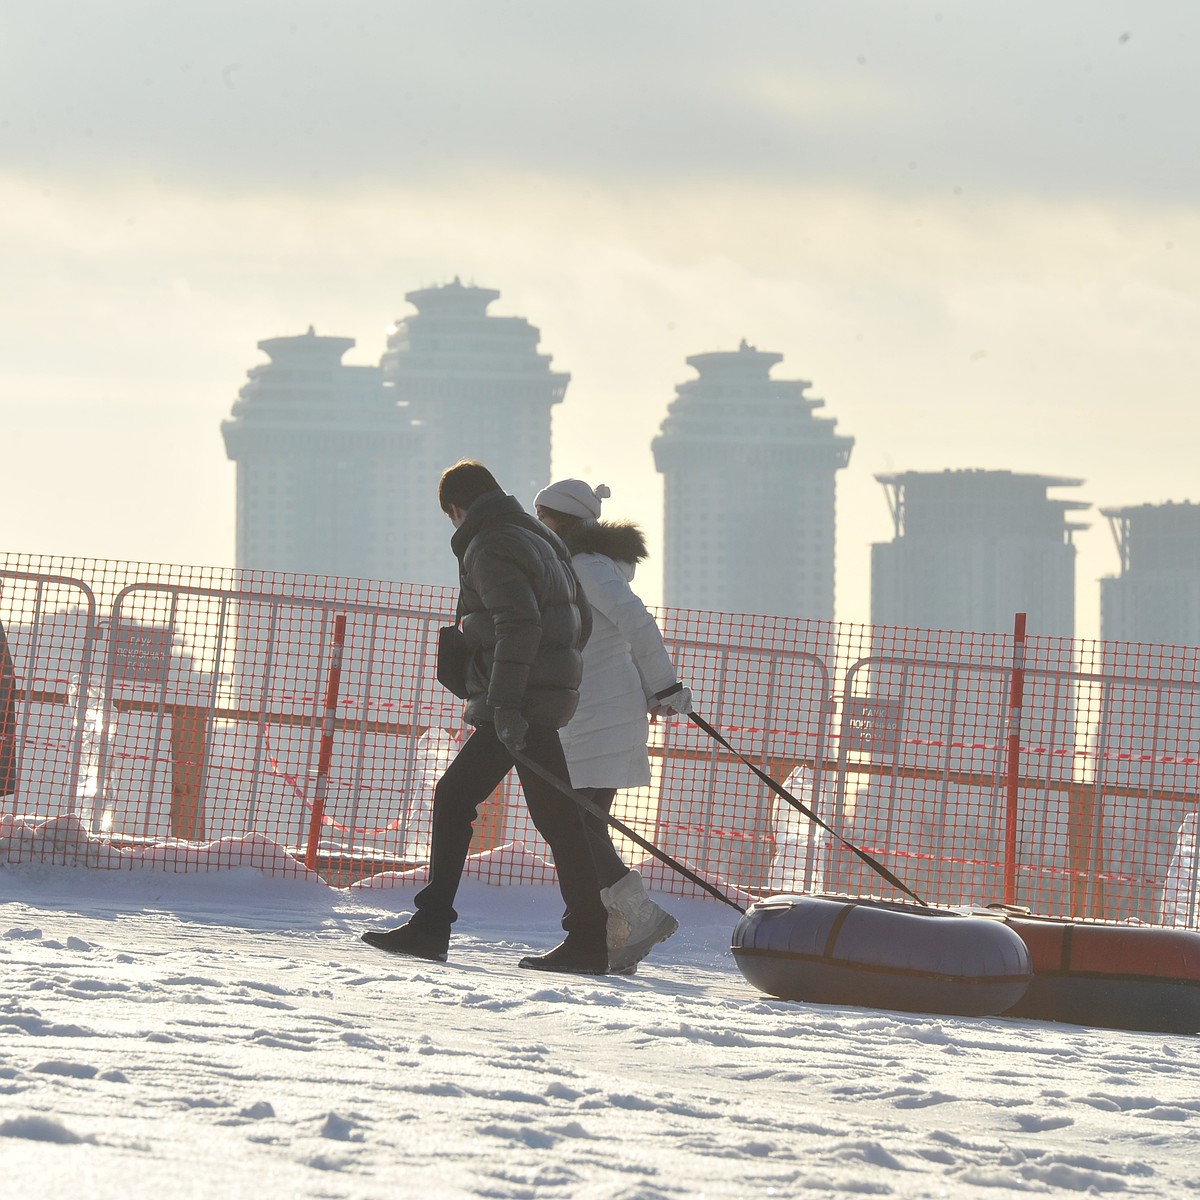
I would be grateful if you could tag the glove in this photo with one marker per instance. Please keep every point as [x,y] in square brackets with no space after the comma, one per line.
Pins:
[677,698]
[511,728]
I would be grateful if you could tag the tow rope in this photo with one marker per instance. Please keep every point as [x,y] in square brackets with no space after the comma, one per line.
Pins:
[800,807]
[586,803]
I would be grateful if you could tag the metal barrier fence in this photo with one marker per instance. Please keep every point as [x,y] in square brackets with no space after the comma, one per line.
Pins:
[157,708]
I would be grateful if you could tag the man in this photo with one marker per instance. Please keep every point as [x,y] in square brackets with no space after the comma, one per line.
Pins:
[525,620]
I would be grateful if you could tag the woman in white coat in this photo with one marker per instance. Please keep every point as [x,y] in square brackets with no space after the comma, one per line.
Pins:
[627,676]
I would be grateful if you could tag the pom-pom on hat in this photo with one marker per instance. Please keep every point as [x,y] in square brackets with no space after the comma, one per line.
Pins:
[573,497]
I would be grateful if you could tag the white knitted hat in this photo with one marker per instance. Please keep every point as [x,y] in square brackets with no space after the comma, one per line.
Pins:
[573,497]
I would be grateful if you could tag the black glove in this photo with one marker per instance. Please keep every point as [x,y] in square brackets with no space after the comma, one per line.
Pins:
[511,728]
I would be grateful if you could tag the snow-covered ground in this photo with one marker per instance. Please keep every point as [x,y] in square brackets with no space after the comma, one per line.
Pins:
[227,1034]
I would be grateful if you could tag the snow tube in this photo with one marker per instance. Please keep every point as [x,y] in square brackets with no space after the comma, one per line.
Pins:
[880,954]
[1117,976]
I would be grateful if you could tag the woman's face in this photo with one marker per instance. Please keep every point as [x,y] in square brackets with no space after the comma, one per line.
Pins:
[546,516]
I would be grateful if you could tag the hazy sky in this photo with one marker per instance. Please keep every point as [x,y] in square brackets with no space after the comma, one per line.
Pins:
[974,226]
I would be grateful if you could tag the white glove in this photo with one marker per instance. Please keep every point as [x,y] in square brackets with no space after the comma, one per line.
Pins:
[678,699]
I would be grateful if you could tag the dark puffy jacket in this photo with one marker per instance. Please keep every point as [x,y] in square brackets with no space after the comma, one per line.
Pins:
[523,614]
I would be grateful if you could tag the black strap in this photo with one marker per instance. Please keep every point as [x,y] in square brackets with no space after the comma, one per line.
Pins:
[871,862]
[589,806]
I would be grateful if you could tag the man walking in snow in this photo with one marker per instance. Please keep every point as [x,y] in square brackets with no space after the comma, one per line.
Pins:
[525,621]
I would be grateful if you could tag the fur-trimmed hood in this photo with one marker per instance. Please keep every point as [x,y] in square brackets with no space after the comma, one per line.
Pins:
[622,541]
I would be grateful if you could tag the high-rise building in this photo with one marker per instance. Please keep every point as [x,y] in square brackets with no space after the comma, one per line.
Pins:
[1156,597]
[750,485]
[1146,762]
[323,455]
[971,548]
[475,386]
[337,466]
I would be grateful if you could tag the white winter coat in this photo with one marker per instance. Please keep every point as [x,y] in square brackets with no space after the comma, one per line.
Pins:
[625,663]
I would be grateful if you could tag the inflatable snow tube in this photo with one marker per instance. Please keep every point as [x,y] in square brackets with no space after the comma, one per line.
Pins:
[1141,977]
[880,954]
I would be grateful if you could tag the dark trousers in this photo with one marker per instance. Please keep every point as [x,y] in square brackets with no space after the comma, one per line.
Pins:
[609,867]
[469,780]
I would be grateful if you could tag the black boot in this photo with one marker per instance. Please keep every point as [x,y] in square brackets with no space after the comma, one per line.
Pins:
[570,957]
[406,939]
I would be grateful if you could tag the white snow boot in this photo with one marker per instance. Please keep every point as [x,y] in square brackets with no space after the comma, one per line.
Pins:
[635,923]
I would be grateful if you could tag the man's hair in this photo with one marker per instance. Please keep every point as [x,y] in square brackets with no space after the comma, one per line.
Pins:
[463,484]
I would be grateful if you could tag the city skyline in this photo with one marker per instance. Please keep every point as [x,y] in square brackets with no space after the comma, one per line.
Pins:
[975,231]
[739,378]
[652,581]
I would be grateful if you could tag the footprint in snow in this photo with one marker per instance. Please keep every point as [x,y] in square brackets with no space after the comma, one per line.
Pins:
[364,1041]
[41,1129]
[534,1138]
[1040,1123]
[73,1070]
[340,1129]
[1166,1112]
[924,1100]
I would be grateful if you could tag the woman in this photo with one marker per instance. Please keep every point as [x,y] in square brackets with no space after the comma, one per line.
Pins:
[627,677]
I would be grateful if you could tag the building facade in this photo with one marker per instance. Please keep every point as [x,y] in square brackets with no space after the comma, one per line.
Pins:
[337,465]
[1156,597]
[1147,740]
[749,490]
[322,455]
[473,385]
[971,548]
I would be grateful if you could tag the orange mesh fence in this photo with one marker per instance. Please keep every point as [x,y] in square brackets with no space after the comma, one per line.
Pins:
[279,720]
